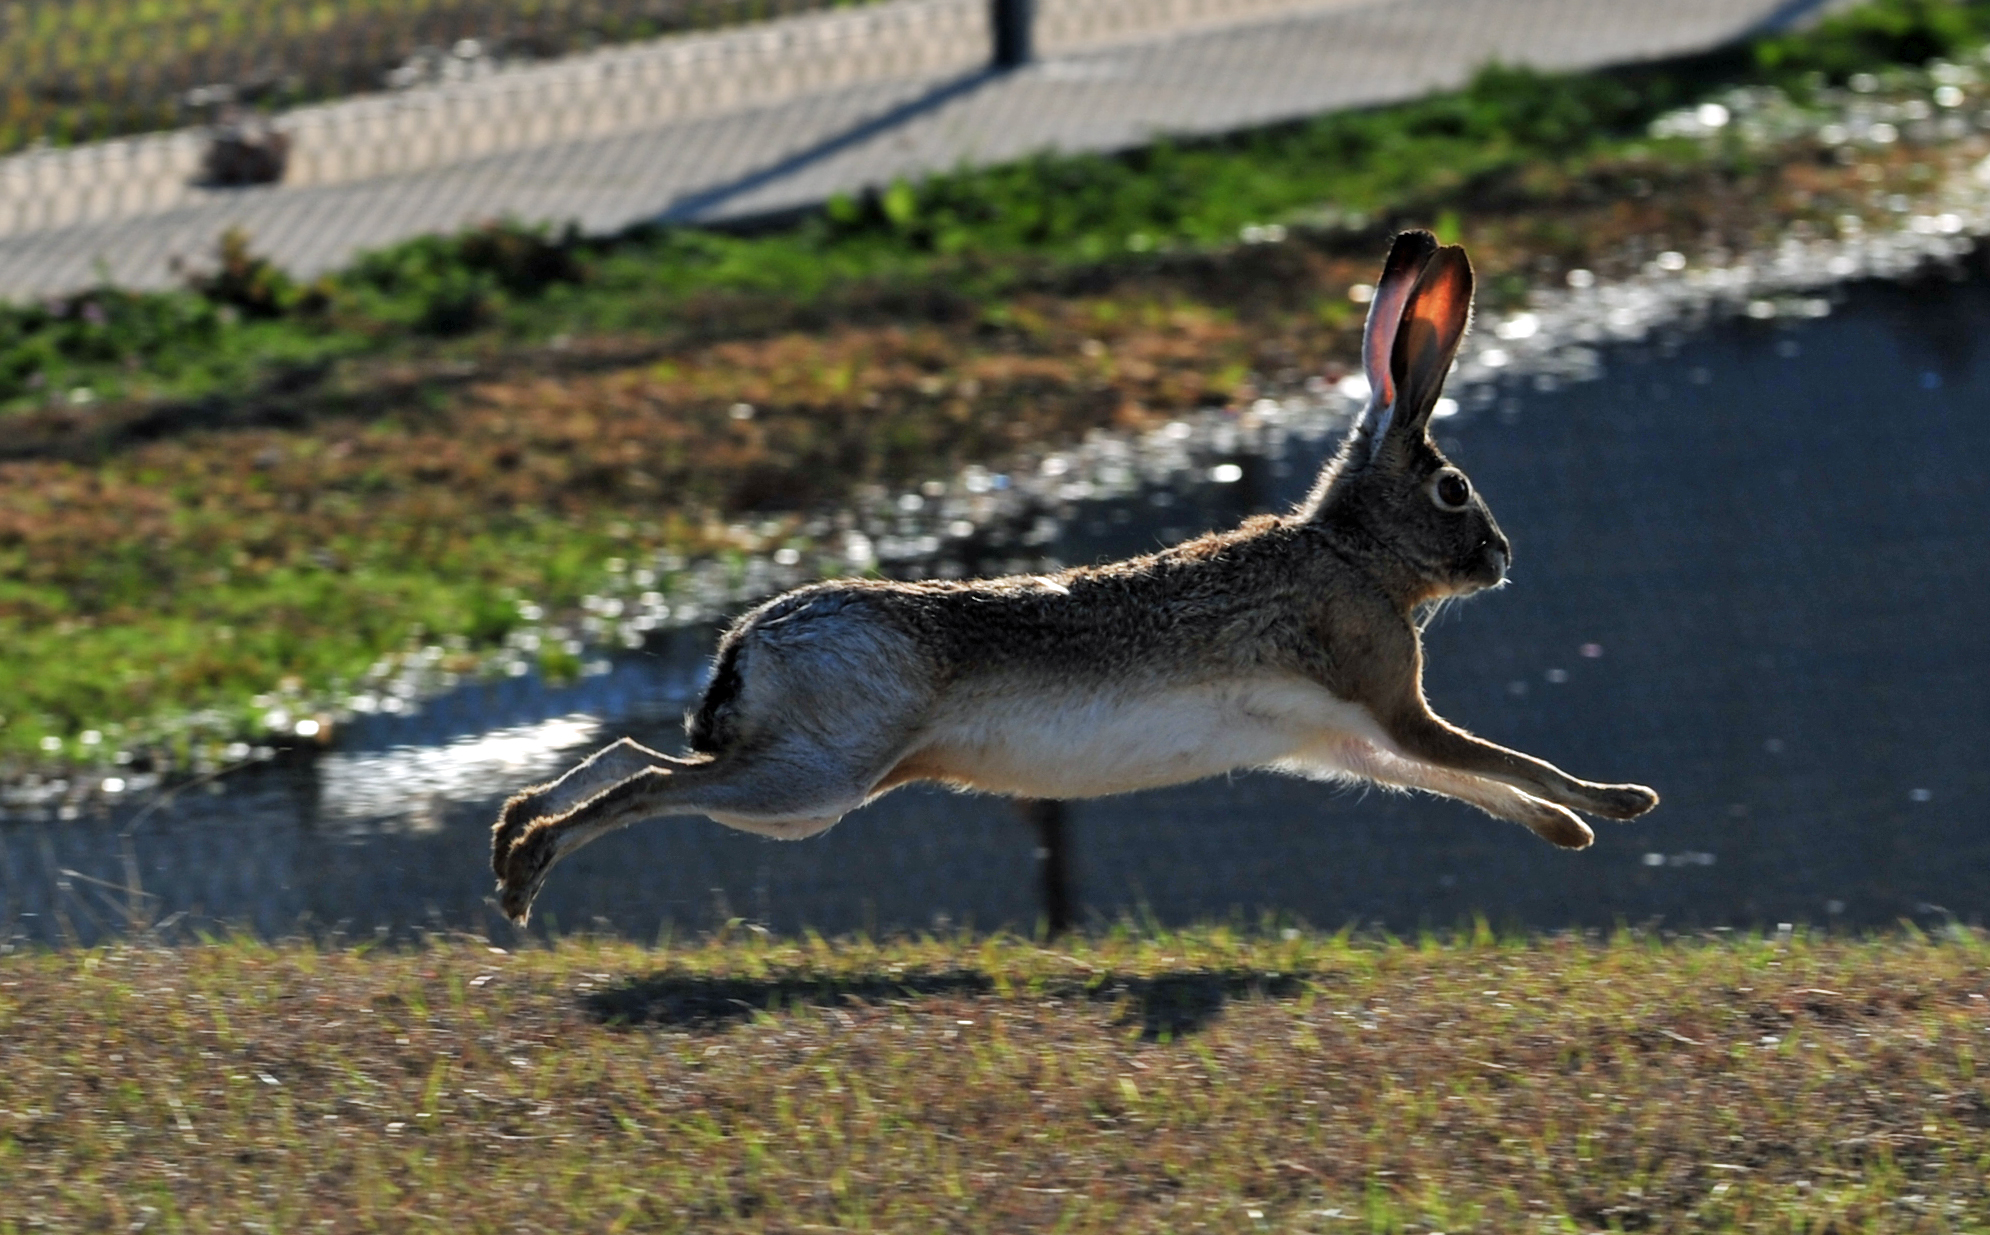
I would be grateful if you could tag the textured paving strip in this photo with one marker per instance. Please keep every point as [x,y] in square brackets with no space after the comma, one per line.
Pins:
[1186,75]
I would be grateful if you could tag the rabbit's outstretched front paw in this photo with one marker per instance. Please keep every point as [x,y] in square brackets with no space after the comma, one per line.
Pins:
[1623,801]
[1558,825]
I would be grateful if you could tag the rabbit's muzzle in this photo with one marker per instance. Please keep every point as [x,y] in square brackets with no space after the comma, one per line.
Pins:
[1489,564]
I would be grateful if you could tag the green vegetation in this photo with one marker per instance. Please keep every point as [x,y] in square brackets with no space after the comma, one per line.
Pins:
[1120,1083]
[1874,36]
[259,486]
[983,232]
[72,72]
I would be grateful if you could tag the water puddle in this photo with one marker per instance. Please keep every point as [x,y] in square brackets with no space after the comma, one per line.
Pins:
[1748,573]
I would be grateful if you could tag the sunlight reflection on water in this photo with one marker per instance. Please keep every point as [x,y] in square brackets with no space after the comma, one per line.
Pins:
[379,786]
[1712,581]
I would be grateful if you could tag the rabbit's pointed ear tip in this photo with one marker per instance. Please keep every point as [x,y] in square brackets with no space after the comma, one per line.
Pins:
[1449,271]
[1415,240]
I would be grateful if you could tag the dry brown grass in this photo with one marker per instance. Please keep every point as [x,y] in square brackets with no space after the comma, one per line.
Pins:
[203,568]
[1118,1083]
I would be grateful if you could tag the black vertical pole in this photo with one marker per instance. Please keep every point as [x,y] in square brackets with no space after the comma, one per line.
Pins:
[1011,20]
[1053,861]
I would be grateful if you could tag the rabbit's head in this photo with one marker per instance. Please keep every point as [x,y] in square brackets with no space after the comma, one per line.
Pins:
[1390,480]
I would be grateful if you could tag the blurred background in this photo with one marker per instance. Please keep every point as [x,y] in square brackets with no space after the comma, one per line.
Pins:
[396,399]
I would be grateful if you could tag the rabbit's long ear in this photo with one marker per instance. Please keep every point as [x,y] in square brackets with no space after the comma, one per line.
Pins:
[1433,324]
[1407,258]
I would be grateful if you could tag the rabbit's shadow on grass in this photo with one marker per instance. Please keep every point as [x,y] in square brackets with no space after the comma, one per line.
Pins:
[1165,1006]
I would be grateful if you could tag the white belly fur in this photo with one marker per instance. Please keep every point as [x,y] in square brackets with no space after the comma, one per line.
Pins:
[1041,741]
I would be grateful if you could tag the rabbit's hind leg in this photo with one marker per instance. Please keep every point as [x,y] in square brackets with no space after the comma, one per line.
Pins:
[783,792]
[608,766]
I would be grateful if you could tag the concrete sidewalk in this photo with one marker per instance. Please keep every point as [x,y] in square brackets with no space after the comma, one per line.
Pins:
[771,145]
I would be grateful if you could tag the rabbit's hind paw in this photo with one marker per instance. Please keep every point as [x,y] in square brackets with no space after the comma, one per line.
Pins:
[517,814]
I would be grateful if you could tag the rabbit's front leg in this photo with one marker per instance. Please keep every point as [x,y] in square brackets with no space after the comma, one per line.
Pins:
[1421,734]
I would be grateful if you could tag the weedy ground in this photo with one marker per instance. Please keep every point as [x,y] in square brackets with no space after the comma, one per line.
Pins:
[1122,1082]
[199,565]
[82,72]
[253,488]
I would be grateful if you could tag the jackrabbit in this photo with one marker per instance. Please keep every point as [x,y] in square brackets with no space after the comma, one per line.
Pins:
[1289,643]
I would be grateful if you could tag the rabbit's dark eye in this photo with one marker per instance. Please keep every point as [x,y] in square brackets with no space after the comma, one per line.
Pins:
[1452,491]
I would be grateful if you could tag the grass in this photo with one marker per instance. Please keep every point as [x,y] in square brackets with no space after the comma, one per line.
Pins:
[976,234]
[1125,1082]
[256,495]
[87,71]
[77,72]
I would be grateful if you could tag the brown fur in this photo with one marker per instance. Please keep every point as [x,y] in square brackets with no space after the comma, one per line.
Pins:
[834,693]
